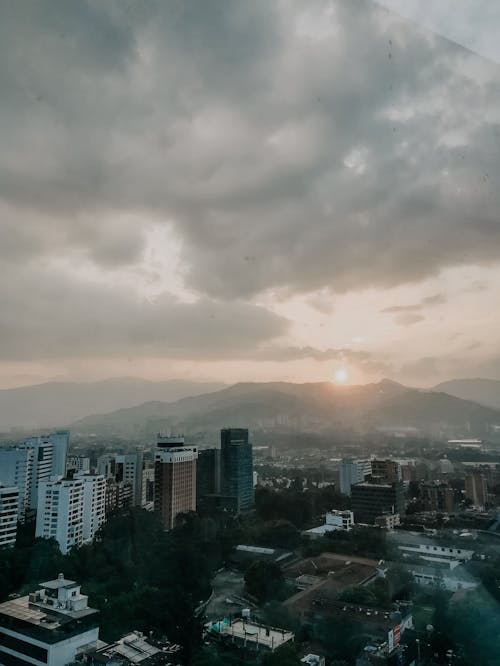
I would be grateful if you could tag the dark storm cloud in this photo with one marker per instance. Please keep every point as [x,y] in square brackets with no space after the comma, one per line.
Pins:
[282,154]
[47,317]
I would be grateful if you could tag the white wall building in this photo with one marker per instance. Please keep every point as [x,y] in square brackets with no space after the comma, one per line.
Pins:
[79,463]
[16,469]
[60,512]
[50,627]
[351,472]
[9,509]
[94,503]
[436,553]
[334,521]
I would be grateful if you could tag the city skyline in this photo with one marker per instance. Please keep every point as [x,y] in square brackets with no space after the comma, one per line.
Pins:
[282,193]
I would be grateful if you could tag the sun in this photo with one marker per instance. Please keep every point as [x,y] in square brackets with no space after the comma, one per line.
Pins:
[340,376]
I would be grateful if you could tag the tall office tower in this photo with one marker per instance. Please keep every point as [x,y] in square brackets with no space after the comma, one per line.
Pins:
[370,500]
[94,503]
[9,509]
[16,469]
[207,473]
[476,489]
[237,467]
[350,472]
[387,469]
[175,478]
[60,512]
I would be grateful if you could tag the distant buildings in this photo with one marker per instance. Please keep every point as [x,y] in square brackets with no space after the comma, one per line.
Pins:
[437,496]
[9,509]
[118,495]
[31,462]
[370,500]
[70,510]
[237,467]
[476,489]
[352,472]
[78,464]
[50,627]
[135,648]
[334,520]
[207,473]
[387,470]
[127,468]
[175,479]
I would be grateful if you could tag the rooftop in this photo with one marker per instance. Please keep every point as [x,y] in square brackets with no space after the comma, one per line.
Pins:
[258,634]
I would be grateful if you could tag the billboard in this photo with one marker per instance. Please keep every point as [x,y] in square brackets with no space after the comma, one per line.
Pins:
[393,637]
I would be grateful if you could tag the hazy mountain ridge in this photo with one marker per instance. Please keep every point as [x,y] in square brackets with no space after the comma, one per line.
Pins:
[55,404]
[484,391]
[280,405]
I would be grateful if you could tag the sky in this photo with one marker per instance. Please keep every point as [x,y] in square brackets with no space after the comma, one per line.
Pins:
[249,191]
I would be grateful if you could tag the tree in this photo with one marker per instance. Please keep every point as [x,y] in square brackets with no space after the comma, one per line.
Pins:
[264,580]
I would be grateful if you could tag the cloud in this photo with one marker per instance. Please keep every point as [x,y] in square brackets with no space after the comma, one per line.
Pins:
[53,318]
[241,128]
[408,319]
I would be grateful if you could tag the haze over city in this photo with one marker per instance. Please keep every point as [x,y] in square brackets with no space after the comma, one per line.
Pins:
[246,191]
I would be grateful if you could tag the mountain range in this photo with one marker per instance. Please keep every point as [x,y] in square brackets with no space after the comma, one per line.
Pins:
[484,391]
[59,403]
[314,407]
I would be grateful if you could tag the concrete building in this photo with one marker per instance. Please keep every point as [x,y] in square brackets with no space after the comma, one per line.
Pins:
[207,473]
[237,467]
[370,500]
[476,489]
[118,495]
[94,504]
[148,488]
[175,479]
[334,521]
[49,459]
[351,472]
[244,633]
[9,510]
[50,627]
[78,464]
[452,580]
[388,521]
[388,470]
[16,469]
[437,496]
[135,648]
[60,512]
[437,553]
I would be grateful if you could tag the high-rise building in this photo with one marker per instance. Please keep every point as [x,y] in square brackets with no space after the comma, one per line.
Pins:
[148,488]
[60,512]
[370,500]
[16,469]
[126,467]
[476,489]
[207,473]
[437,496]
[71,510]
[49,627]
[237,467]
[175,478]
[9,508]
[94,503]
[118,495]
[350,472]
[388,470]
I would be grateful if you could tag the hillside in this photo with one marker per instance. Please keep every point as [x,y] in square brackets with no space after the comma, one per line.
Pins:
[57,403]
[484,391]
[281,406]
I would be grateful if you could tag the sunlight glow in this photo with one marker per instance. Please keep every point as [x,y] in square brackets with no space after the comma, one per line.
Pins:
[340,376]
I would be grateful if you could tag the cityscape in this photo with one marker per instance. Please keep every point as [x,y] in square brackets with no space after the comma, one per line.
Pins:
[249,333]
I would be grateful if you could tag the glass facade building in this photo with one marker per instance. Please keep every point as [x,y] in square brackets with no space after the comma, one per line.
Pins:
[237,467]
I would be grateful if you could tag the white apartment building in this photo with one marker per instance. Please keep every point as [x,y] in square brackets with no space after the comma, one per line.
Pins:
[78,463]
[60,512]
[94,503]
[71,510]
[50,627]
[334,520]
[9,509]
[351,472]
[16,469]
